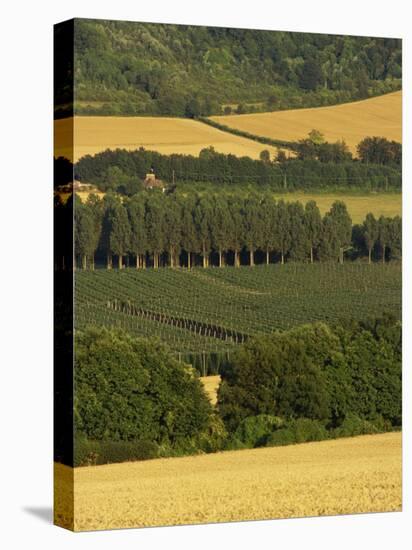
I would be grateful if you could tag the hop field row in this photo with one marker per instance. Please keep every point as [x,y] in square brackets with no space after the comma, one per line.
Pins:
[205,310]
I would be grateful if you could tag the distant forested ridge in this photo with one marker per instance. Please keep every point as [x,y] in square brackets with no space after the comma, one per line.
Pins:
[142,68]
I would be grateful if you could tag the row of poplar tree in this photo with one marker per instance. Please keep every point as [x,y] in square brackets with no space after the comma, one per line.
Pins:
[154,229]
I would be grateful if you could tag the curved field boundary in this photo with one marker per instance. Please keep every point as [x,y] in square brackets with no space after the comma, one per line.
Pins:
[242,133]
[377,116]
[166,135]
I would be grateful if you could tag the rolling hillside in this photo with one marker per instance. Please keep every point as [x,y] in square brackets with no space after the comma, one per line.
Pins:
[131,68]
[379,116]
[165,135]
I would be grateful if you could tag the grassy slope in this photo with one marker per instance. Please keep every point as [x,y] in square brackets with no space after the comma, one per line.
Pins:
[352,475]
[379,116]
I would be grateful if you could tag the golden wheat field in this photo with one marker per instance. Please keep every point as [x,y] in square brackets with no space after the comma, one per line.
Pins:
[378,116]
[165,135]
[352,475]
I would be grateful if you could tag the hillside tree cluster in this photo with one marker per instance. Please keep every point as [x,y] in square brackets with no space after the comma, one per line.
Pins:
[134,401]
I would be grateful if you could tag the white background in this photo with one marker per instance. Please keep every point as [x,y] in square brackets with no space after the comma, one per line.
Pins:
[26,272]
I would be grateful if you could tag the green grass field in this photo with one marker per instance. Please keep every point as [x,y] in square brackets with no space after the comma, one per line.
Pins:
[213,310]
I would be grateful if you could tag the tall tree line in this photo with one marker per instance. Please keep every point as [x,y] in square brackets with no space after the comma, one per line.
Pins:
[154,229]
[123,171]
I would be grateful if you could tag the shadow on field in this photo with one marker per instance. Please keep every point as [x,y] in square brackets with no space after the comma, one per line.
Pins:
[44,513]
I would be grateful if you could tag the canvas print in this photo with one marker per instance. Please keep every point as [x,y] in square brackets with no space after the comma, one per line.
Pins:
[228,270]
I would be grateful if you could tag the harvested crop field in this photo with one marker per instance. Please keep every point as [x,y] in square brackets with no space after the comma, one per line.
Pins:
[352,475]
[166,135]
[211,385]
[378,116]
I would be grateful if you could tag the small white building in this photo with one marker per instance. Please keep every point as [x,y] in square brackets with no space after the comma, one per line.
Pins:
[151,182]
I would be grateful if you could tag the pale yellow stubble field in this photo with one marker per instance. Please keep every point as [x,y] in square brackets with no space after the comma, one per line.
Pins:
[164,135]
[378,116]
[211,385]
[352,475]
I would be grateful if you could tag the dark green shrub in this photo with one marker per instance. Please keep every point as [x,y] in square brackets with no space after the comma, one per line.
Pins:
[254,431]
[281,437]
[301,430]
[122,451]
[353,425]
[382,424]
[181,447]
[234,444]
[86,453]
[306,429]
[214,437]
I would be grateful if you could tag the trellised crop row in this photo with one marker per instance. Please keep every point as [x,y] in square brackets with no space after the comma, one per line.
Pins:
[202,311]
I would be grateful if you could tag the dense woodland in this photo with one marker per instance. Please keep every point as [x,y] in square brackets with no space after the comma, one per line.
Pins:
[155,229]
[132,68]
[310,383]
